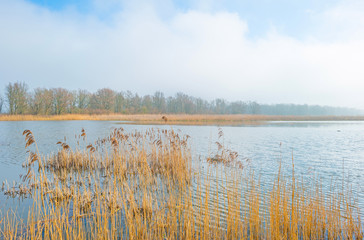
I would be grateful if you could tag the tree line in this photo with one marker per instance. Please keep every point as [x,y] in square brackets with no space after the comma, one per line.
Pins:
[18,99]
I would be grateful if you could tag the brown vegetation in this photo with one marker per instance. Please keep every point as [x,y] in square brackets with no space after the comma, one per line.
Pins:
[179,119]
[142,185]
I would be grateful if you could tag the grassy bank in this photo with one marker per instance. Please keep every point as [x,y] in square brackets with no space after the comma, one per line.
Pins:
[179,119]
[145,185]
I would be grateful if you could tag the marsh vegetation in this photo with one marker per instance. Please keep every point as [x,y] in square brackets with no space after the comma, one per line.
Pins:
[146,185]
[179,119]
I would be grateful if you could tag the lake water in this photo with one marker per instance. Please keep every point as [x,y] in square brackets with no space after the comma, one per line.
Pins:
[332,151]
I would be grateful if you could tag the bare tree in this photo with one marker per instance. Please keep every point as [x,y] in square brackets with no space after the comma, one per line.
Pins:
[159,102]
[47,101]
[83,99]
[1,103]
[36,101]
[61,100]
[147,104]
[136,103]
[72,108]
[220,106]
[238,107]
[119,103]
[202,106]
[16,95]
[254,107]
[105,99]
[41,101]
[16,100]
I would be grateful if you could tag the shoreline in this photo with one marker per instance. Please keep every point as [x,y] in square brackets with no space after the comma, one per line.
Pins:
[179,119]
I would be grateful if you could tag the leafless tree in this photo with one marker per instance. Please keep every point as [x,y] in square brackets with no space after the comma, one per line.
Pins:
[105,99]
[159,102]
[1,103]
[61,100]
[41,101]
[119,103]
[83,99]
[254,107]
[16,95]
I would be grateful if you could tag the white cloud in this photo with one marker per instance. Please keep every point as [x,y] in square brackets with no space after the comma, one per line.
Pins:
[200,53]
[342,22]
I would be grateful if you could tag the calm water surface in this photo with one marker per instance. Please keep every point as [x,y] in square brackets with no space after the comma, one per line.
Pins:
[332,151]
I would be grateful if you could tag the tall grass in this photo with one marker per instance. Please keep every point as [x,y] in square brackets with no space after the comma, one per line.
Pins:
[144,185]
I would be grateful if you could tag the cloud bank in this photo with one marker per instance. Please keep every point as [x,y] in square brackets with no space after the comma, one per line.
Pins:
[145,47]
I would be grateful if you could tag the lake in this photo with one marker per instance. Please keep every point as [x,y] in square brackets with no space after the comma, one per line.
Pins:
[331,151]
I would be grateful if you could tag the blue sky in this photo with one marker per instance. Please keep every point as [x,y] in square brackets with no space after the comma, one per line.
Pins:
[282,51]
[290,17]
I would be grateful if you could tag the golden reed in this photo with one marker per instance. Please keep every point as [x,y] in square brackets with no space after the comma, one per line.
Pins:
[144,185]
[178,119]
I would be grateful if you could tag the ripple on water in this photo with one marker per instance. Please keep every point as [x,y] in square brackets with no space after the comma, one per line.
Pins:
[318,149]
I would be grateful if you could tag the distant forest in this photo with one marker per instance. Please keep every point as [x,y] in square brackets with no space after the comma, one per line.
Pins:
[18,99]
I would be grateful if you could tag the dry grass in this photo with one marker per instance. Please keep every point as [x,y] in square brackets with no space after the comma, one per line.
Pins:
[141,185]
[179,119]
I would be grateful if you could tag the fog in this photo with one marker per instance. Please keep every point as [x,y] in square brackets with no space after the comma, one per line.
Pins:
[144,47]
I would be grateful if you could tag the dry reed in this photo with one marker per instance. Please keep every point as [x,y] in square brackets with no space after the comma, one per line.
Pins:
[178,119]
[141,185]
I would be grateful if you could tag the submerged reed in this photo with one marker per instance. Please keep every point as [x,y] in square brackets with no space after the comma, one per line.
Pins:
[144,185]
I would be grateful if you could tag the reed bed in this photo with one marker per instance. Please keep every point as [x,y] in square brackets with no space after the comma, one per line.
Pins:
[178,119]
[145,185]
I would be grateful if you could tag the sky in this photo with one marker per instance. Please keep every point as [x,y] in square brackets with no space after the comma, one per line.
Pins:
[282,51]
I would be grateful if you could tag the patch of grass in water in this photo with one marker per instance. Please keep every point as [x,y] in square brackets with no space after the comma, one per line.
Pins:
[141,185]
